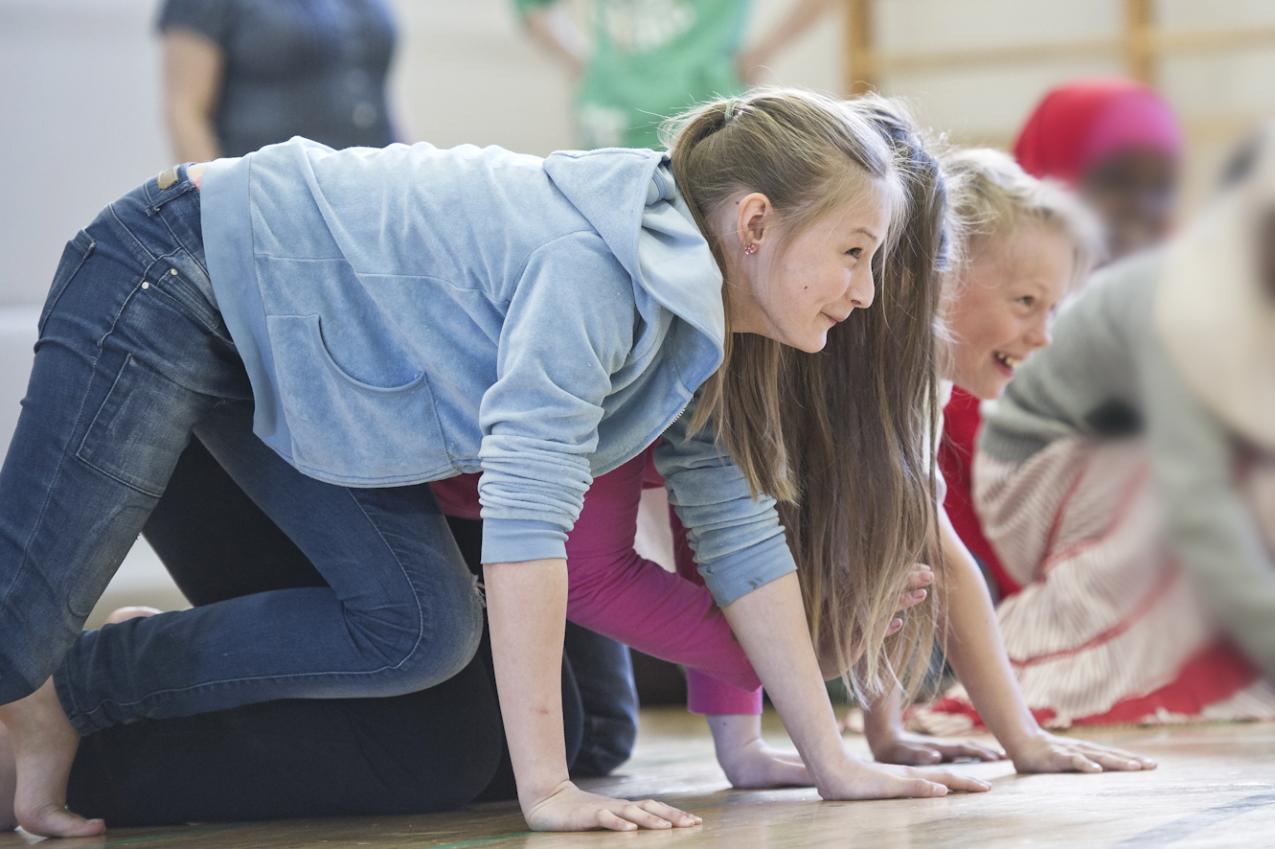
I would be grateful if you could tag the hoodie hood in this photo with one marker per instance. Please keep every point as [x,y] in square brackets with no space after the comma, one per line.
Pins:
[631,199]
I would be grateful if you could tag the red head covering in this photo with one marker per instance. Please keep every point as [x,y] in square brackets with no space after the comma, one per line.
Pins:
[1079,123]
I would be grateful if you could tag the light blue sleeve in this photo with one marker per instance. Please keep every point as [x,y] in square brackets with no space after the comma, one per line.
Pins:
[568,329]
[739,542]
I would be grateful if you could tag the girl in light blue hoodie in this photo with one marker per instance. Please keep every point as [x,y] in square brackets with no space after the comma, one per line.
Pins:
[341,327]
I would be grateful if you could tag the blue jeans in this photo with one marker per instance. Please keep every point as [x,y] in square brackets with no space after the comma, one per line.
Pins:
[132,359]
[217,544]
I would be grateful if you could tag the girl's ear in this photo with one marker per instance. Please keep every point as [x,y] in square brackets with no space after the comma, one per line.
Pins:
[753,219]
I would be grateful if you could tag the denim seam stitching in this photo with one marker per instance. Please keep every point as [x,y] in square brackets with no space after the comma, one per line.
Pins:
[128,358]
[47,311]
[178,239]
[398,561]
[190,310]
[57,473]
[150,257]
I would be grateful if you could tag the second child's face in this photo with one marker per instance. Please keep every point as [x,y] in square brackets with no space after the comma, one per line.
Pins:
[802,285]
[1134,193]
[1007,297]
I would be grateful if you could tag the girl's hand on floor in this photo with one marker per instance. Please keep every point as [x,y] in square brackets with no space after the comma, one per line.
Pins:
[756,766]
[904,747]
[863,780]
[1045,752]
[568,808]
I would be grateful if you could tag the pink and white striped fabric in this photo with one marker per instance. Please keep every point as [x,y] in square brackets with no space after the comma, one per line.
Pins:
[1105,629]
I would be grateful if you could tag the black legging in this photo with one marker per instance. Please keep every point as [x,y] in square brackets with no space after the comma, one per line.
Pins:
[429,751]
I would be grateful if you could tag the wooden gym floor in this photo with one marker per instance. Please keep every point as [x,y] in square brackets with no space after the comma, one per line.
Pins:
[1215,788]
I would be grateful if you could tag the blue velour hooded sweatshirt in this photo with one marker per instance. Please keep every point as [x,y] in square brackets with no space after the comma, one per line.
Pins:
[407,314]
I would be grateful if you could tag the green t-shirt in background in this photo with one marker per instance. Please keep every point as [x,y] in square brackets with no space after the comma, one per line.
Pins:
[651,59]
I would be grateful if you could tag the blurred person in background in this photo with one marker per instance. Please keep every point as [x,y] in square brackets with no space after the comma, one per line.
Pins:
[1125,480]
[242,74]
[647,59]
[1118,145]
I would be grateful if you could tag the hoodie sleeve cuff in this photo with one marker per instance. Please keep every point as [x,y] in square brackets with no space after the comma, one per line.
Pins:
[521,540]
[738,574]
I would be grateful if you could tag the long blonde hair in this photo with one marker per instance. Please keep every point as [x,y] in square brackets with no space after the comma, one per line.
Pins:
[840,437]
[877,466]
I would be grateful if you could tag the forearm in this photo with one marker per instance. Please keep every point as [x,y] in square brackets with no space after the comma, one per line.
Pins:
[1211,529]
[770,623]
[883,717]
[526,610]
[975,649]
[193,68]
[192,135]
[636,602]
[732,734]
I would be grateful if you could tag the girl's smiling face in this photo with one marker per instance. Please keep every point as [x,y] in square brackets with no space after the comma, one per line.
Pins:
[1004,304]
[794,288]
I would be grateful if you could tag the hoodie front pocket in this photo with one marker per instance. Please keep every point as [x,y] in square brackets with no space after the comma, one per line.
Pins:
[377,425]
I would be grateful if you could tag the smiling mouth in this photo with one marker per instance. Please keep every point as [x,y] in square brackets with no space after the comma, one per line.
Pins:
[1006,361]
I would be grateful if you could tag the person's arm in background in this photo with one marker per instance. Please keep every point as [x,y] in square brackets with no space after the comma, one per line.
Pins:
[193,67]
[193,34]
[978,656]
[551,26]
[752,62]
[1212,530]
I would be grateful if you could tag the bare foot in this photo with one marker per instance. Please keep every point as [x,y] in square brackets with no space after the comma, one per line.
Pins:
[44,744]
[123,614]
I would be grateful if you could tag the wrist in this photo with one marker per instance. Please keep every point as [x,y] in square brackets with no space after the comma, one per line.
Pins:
[880,736]
[826,766]
[1020,739]
[733,735]
[536,789]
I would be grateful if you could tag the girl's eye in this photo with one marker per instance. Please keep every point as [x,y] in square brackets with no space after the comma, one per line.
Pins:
[1027,301]
[855,252]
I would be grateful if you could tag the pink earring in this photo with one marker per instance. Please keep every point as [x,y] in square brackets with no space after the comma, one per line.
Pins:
[750,249]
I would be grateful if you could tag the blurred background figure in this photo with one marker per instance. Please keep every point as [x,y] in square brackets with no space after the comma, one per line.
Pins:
[1118,144]
[648,59]
[242,74]
[1125,480]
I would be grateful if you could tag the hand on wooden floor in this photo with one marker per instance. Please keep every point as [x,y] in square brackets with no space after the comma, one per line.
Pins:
[568,808]
[912,749]
[756,766]
[1045,752]
[864,780]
